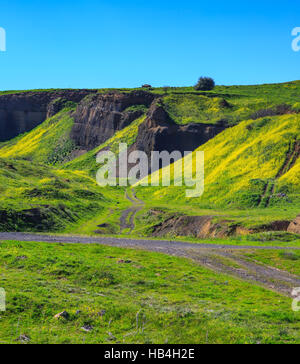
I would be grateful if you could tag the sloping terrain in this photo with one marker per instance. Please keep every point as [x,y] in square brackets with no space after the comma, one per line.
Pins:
[35,197]
[87,161]
[21,112]
[251,178]
[230,280]
[48,143]
[240,161]
[250,136]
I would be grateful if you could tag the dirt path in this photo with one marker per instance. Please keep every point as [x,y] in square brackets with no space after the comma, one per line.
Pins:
[128,216]
[219,258]
[251,271]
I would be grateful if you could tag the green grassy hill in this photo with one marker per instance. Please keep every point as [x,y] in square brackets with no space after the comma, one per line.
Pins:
[251,174]
[41,191]
[229,104]
[242,160]
[250,171]
[48,143]
[36,197]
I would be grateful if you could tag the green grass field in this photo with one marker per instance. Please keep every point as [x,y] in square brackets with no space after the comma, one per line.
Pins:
[127,296]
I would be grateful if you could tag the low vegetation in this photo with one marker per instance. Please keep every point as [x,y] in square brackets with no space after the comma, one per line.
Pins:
[35,197]
[112,295]
[239,163]
[205,84]
[247,177]
[49,143]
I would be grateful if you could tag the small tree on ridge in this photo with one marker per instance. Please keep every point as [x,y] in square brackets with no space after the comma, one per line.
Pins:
[205,84]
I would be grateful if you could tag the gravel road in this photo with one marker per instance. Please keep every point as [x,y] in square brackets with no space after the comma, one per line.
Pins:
[147,244]
[207,255]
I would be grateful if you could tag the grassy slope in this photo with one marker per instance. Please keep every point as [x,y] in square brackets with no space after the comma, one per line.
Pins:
[238,164]
[74,196]
[87,162]
[175,300]
[185,105]
[47,143]
[29,179]
[193,108]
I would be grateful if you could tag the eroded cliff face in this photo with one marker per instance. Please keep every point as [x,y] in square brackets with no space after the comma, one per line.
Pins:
[159,132]
[22,112]
[294,226]
[98,117]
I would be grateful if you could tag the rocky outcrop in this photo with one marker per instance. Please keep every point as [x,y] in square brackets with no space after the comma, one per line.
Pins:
[159,132]
[98,117]
[21,112]
[278,225]
[197,226]
[205,227]
[294,226]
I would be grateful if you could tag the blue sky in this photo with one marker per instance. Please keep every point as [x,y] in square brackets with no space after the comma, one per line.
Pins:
[111,43]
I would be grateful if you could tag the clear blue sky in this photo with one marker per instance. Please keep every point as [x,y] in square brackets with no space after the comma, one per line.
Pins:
[113,43]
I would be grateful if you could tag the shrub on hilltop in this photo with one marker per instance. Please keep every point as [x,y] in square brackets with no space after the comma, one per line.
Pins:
[205,84]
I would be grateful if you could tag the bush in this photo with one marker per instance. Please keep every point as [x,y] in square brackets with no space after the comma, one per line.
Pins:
[290,255]
[282,109]
[205,84]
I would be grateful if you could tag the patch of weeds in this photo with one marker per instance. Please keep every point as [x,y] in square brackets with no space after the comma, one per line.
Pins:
[273,236]
[290,255]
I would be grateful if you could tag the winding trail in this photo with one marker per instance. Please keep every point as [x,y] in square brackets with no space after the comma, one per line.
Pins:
[128,216]
[216,257]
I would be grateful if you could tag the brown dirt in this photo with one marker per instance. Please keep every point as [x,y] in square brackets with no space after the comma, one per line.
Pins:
[128,216]
[294,226]
[278,225]
[198,227]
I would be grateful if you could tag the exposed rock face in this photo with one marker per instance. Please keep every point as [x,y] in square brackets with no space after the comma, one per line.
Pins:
[159,132]
[278,225]
[98,117]
[197,226]
[294,226]
[21,112]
